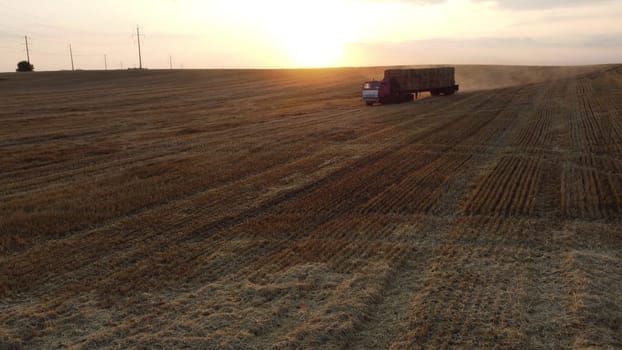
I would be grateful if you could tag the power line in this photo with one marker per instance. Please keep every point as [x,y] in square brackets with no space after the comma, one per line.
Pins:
[27,52]
[71,55]
[140,59]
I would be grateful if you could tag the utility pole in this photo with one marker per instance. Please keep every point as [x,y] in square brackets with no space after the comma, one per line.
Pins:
[170,62]
[71,55]
[27,51]
[105,63]
[140,59]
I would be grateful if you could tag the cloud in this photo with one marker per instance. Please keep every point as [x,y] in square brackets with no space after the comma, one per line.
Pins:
[506,4]
[540,4]
[603,41]
[514,5]
[609,40]
[590,49]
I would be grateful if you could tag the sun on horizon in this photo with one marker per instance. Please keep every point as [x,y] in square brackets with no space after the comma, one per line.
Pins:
[307,49]
[310,36]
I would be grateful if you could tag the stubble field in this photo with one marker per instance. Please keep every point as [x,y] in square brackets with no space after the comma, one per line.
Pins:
[272,209]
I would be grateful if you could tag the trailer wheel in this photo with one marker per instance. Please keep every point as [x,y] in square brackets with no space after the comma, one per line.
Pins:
[369,103]
[435,92]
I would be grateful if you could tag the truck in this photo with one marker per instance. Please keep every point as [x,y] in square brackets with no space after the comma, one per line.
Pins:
[402,85]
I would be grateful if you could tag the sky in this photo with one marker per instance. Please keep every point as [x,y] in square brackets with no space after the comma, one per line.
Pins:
[318,33]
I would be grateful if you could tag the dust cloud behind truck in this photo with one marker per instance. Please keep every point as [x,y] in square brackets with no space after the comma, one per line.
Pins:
[401,85]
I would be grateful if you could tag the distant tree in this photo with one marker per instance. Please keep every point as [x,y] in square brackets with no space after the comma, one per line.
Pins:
[25,66]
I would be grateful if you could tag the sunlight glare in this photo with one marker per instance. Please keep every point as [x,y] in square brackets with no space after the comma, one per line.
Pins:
[312,35]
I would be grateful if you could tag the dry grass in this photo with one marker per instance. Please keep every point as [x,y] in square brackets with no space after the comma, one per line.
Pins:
[272,209]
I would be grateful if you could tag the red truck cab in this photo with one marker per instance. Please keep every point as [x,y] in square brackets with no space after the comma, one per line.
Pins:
[371,92]
[383,92]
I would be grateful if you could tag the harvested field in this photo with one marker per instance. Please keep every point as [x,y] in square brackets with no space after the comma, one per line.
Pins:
[239,209]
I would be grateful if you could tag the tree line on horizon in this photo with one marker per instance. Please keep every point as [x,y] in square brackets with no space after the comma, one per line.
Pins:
[24,66]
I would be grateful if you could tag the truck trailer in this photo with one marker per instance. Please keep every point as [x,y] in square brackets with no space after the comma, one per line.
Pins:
[402,85]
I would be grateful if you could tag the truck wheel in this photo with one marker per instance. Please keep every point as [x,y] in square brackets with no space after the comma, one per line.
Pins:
[435,93]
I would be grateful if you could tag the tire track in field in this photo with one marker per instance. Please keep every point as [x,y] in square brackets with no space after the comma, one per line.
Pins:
[458,320]
[278,248]
[485,287]
[364,164]
[185,144]
[176,217]
[138,210]
[359,316]
[121,160]
[508,190]
[511,187]
[393,317]
[589,186]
